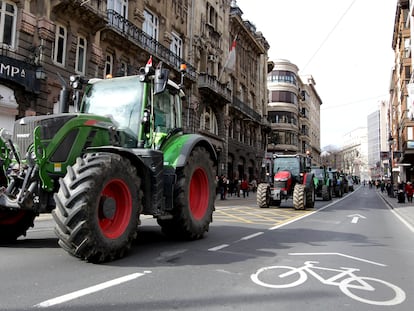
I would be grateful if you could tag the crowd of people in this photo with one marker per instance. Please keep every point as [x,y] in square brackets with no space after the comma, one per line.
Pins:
[235,187]
[401,190]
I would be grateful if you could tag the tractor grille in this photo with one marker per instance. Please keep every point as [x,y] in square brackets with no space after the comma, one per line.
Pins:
[280,184]
[24,128]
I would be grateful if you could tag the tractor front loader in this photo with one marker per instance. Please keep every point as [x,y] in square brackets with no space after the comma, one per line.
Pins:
[122,155]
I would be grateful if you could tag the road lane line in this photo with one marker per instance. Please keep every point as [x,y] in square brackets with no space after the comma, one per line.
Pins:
[251,236]
[89,290]
[213,249]
[340,254]
[406,223]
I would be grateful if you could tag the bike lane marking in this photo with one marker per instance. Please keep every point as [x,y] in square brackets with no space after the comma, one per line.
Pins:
[345,280]
[89,290]
[340,254]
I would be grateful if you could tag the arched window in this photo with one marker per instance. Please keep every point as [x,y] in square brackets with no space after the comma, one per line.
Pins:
[8,14]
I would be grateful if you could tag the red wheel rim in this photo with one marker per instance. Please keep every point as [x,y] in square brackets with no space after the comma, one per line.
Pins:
[199,193]
[114,225]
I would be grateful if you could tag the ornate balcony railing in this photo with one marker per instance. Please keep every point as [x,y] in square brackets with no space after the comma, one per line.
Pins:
[139,37]
[210,82]
[238,104]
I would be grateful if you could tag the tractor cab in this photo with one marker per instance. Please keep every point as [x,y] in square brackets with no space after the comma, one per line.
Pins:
[144,108]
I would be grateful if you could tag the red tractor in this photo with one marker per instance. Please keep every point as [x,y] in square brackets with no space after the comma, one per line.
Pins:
[289,176]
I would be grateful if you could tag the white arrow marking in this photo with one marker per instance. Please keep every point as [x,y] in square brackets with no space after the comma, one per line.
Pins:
[356,217]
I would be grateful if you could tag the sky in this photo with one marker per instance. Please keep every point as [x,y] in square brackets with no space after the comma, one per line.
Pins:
[346,45]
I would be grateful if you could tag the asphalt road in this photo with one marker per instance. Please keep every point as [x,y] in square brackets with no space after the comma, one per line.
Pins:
[348,254]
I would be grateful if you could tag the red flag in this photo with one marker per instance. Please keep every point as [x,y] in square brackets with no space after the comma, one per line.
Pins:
[149,62]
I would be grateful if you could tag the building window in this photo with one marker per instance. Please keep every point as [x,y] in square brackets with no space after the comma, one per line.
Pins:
[119,6]
[124,69]
[284,97]
[176,45]
[59,53]
[109,63]
[211,16]
[8,14]
[81,55]
[151,24]
[209,121]
[282,76]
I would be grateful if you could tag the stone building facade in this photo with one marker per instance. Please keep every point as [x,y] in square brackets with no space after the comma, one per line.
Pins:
[44,42]
[293,112]
[400,136]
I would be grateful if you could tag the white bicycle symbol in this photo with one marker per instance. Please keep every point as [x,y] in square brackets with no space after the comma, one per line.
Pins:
[349,281]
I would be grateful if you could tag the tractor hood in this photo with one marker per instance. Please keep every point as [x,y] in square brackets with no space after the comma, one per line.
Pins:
[283,175]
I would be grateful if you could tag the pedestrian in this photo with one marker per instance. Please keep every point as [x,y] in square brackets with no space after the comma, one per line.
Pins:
[409,191]
[245,187]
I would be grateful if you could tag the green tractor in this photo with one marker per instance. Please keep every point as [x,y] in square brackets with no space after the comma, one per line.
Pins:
[323,183]
[124,154]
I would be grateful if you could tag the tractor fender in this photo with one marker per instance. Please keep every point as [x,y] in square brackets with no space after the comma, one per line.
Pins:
[176,151]
[308,180]
[136,156]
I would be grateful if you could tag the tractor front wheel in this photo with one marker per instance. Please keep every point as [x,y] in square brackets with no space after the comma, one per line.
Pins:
[263,195]
[194,196]
[97,207]
[299,197]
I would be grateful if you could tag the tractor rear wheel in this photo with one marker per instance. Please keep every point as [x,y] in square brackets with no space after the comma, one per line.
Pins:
[97,207]
[310,197]
[263,195]
[299,197]
[194,196]
[325,193]
[14,224]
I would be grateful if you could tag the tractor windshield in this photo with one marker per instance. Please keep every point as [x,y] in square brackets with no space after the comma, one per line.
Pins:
[120,99]
[291,164]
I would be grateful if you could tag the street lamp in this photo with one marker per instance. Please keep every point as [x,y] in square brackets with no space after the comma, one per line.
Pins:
[390,143]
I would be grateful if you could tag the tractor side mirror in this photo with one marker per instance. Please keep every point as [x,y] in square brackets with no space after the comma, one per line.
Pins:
[160,80]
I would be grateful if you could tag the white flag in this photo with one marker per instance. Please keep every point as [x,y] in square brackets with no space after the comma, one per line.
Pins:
[231,60]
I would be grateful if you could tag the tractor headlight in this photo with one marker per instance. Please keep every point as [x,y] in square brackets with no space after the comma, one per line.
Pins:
[5,135]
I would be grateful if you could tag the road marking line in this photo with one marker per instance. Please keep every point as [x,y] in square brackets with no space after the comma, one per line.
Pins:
[213,249]
[340,254]
[89,290]
[251,236]
[411,228]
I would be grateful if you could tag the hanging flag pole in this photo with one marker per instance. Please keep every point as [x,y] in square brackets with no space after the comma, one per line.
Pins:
[230,63]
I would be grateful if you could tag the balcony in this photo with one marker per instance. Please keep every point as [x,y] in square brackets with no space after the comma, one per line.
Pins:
[134,34]
[91,13]
[249,112]
[210,83]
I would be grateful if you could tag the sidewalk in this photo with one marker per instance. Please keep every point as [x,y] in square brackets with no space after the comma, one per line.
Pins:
[235,200]
[405,210]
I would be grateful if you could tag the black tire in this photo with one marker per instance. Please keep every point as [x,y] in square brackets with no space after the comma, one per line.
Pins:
[263,195]
[97,207]
[299,197]
[310,197]
[325,193]
[194,196]
[14,224]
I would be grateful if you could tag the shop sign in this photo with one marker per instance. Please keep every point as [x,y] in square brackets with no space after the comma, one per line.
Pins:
[19,72]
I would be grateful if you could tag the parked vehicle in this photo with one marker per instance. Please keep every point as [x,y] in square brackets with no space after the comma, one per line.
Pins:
[124,154]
